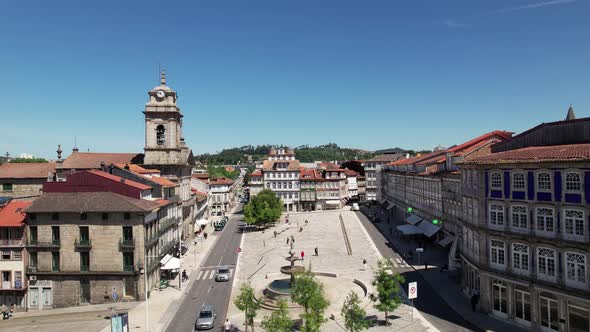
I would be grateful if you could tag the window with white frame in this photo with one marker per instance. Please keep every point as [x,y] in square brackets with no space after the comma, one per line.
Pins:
[496,180]
[519,217]
[573,181]
[497,252]
[544,181]
[518,182]
[497,214]
[520,257]
[573,222]
[545,220]
[546,262]
[576,267]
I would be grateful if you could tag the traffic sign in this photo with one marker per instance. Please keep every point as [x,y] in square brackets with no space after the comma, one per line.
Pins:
[413,290]
[419,249]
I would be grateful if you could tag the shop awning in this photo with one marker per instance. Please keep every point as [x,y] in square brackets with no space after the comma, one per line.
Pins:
[172,264]
[413,219]
[202,222]
[390,205]
[409,229]
[165,259]
[447,240]
[428,228]
[333,202]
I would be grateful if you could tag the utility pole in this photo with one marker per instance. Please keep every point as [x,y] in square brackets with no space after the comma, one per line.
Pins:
[180,255]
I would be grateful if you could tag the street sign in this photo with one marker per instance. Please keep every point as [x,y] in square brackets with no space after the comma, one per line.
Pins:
[419,249]
[413,290]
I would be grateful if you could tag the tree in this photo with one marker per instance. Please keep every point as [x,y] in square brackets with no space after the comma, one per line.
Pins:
[247,303]
[28,160]
[263,208]
[279,320]
[388,296]
[354,315]
[309,293]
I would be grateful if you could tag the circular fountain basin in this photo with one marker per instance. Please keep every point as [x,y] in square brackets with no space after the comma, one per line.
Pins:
[287,269]
[279,289]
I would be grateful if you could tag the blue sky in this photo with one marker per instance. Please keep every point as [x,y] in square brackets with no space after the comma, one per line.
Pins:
[365,74]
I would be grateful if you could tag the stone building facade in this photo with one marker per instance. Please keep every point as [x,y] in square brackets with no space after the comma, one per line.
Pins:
[24,181]
[281,175]
[373,172]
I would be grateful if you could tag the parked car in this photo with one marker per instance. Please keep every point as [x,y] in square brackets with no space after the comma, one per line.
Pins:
[218,226]
[355,207]
[222,274]
[206,318]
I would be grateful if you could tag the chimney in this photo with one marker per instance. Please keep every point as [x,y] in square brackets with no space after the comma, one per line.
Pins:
[102,166]
[122,180]
[127,166]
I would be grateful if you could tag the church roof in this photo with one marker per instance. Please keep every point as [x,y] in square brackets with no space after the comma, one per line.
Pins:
[93,160]
[26,170]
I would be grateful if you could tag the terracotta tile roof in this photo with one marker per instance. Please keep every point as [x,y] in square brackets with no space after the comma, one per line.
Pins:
[115,178]
[308,174]
[220,181]
[388,157]
[197,192]
[269,164]
[162,181]
[90,202]
[138,169]
[501,133]
[26,170]
[351,173]
[200,176]
[12,214]
[90,160]
[162,202]
[256,173]
[572,152]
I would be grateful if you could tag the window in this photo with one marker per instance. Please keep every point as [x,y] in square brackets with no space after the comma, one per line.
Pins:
[573,223]
[519,217]
[497,254]
[128,261]
[17,255]
[5,255]
[544,181]
[55,261]
[33,234]
[33,259]
[545,221]
[274,185]
[55,234]
[84,235]
[500,297]
[523,305]
[18,279]
[496,180]
[83,216]
[160,135]
[126,216]
[549,317]
[518,182]
[127,233]
[7,187]
[520,257]
[84,261]
[55,216]
[496,214]
[573,181]
[546,263]
[576,267]
[578,318]
[105,216]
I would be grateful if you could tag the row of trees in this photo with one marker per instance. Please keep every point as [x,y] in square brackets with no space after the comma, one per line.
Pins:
[309,293]
[216,172]
[263,209]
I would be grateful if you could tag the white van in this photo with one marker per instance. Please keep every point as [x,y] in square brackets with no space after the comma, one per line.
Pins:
[355,207]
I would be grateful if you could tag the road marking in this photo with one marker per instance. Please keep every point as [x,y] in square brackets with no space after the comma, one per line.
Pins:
[200,275]
[220,259]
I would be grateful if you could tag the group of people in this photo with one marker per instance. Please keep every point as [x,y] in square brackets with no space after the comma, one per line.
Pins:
[7,312]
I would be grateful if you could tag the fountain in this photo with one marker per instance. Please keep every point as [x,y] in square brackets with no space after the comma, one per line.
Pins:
[281,288]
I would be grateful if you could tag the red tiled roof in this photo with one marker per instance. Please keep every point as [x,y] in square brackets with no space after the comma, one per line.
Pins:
[26,170]
[138,169]
[256,173]
[572,152]
[501,133]
[162,181]
[131,183]
[220,181]
[200,176]
[350,172]
[89,160]
[12,214]
[162,202]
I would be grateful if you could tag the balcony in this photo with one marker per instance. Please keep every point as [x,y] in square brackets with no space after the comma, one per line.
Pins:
[128,268]
[167,224]
[84,268]
[166,248]
[31,269]
[35,244]
[82,244]
[12,242]
[151,242]
[126,244]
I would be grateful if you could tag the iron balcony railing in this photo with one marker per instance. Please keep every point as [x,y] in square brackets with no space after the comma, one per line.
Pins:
[44,244]
[167,224]
[126,244]
[82,244]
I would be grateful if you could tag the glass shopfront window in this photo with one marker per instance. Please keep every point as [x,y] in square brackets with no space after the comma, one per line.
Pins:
[522,301]
[549,316]
[578,319]
[500,298]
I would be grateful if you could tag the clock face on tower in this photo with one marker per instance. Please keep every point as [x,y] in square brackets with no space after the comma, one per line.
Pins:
[160,94]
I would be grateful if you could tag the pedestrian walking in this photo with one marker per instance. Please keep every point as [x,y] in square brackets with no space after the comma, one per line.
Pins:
[287,240]
[227,325]
[301,229]
[275,233]
[292,239]
[184,275]
[306,221]
[302,255]
[205,235]
[364,264]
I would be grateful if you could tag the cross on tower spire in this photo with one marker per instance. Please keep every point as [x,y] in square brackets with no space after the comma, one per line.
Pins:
[163,77]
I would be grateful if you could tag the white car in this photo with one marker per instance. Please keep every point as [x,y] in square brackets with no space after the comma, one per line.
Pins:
[355,207]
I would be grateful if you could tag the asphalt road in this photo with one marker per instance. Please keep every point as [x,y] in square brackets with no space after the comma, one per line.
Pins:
[429,303]
[204,288]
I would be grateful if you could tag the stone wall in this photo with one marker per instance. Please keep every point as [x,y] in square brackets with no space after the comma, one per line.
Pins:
[28,189]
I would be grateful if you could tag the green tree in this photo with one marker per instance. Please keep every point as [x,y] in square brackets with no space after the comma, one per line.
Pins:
[27,161]
[386,283]
[247,303]
[309,293]
[354,315]
[263,208]
[279,320]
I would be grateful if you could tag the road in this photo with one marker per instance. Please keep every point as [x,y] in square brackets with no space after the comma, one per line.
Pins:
[429,303]
[204,289]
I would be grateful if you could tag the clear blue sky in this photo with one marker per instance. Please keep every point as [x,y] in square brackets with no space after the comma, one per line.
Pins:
[366,74]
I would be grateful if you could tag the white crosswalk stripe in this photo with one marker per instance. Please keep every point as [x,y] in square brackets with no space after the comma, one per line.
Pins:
[200,275]
[211,274]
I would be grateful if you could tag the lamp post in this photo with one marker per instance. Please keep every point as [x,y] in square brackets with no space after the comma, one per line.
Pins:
[180,256]
[143,271]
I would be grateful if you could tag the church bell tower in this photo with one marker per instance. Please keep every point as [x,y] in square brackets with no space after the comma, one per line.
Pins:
[164,144]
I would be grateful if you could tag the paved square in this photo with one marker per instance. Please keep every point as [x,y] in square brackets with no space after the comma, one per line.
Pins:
[263,254]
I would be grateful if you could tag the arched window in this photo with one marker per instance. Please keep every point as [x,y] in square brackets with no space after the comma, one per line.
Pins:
[544,181]
[545,221]
[574,222]
[520,257]
[160,135]
[519,217]
[576,267]
[496,180]
[496,214]
[546,262]
[497,252]
[518,180]
[573,181]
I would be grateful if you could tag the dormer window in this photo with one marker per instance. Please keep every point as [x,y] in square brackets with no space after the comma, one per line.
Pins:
[160,135]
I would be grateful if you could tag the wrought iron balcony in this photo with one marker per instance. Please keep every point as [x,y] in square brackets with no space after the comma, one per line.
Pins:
[127,244]
[128,268]
[12,242]
[83,244]
[167,224]
[31,269]
[44,244]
